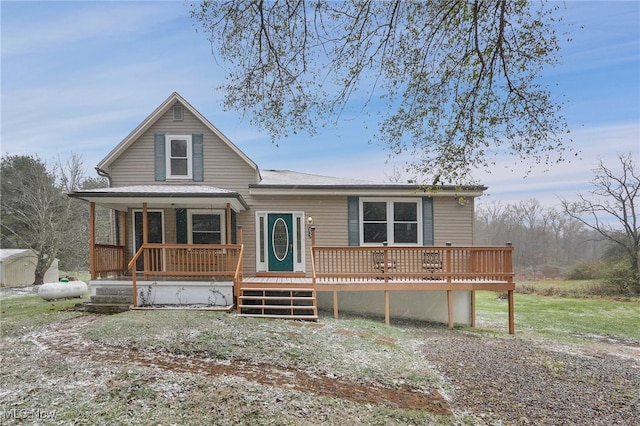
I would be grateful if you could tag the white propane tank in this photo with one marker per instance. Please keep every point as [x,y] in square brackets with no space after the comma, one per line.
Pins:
[63,289]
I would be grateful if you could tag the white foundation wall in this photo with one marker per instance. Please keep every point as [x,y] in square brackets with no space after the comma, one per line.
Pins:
[417,305]
[150,293]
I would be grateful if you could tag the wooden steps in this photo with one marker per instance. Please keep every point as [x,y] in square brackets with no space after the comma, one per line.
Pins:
[278,302]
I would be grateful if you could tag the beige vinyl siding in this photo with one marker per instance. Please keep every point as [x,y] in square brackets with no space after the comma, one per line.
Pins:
[223,167]
[329,215]
[452,222]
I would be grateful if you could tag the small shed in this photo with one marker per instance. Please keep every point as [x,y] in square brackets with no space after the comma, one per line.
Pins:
[18,266]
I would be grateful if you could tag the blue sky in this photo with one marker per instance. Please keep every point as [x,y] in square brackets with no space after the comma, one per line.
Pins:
[79,76]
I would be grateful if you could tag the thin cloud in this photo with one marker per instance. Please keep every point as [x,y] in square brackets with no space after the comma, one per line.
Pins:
[36,26]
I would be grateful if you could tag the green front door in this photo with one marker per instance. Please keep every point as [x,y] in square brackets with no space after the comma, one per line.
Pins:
[280,241]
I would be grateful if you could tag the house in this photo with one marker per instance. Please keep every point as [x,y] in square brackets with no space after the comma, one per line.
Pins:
[18,268]
[197,222]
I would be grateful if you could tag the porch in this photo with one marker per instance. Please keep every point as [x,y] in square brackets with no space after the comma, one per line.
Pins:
[384,269]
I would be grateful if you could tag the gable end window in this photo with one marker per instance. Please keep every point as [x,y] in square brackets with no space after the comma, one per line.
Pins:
[178,114]
[179,156]
[390,221]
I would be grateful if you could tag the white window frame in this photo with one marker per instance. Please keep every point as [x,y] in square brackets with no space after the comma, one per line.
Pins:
[223,222]
[390,222]
[299,248]
[188,138]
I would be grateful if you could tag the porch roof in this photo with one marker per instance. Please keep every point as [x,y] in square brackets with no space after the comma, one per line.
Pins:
[178,196]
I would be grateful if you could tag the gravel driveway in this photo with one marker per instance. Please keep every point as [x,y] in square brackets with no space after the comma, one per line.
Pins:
[516,381]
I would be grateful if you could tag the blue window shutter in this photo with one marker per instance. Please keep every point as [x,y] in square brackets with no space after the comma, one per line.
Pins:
[353,216]
[160,164]
[198,157]
[181,226]
[427,221]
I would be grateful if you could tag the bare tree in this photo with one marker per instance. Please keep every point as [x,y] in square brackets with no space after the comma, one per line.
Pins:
[613,201]
[542,237]
[458,80]
[37,214]
[34,213]
[70,176]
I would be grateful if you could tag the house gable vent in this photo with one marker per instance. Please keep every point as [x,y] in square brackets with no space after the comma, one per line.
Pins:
[178,113]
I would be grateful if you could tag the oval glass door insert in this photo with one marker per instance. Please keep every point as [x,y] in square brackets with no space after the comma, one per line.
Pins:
[280,239]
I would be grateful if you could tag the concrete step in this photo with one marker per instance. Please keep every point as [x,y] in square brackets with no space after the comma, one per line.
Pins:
[106,308]
[108,298]
[114,291]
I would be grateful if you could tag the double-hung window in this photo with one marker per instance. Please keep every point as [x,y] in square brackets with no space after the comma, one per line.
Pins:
[206,227]
[390,221]
[179,156]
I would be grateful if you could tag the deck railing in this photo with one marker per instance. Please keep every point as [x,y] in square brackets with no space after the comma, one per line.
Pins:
[395,263]
[108,259]
[186,260]
[389,268]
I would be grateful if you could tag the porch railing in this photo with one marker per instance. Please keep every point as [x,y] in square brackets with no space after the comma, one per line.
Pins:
[393,263]
[186,260]
[108,259]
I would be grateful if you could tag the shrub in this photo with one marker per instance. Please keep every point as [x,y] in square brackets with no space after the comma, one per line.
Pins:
[585,271]
[619,278]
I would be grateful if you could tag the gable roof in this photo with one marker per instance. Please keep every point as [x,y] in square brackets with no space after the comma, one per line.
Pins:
[106,162]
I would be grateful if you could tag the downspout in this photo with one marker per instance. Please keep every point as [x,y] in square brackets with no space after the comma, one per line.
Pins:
[104,174]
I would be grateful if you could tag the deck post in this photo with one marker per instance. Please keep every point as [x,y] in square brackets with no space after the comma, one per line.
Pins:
[473,308]
[92,240]
[123,239]
[335,304]
[134,289]
[450,307]
[237,285]
[512,325]
[228,222]
[387,319]
[145,238]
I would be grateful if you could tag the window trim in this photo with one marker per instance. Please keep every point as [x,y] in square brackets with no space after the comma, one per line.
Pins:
[223,222]
[390,219]
[169,174]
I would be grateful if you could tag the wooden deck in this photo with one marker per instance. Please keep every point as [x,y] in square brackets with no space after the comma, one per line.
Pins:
[336,269]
